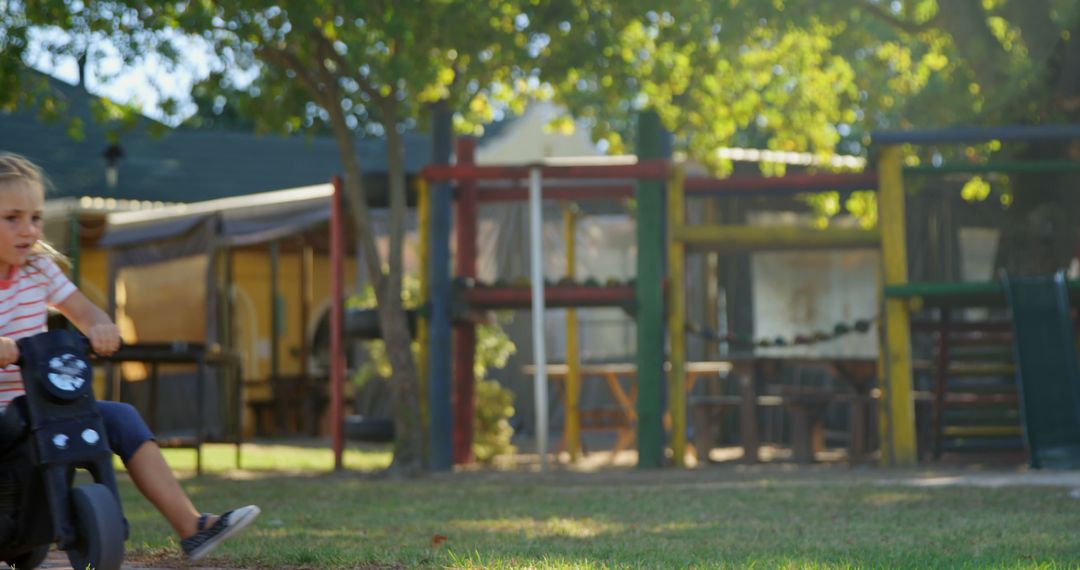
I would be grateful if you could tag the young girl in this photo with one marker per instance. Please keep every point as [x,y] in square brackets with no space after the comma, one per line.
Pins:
[30,282]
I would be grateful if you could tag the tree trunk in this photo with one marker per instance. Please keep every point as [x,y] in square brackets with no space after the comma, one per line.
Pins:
[1041,236]
[966,22]
[408,452]
[409,441]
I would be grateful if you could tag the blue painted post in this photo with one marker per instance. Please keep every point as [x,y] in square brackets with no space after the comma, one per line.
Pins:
[440,449]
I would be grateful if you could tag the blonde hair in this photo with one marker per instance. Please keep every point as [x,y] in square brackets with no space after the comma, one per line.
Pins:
[15,169]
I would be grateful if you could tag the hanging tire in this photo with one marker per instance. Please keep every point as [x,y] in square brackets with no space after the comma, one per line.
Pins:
[371,430]
[100,527]
[31,559]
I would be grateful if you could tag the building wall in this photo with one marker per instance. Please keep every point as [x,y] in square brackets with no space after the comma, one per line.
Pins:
[167,302]
[94,276]
[253,308]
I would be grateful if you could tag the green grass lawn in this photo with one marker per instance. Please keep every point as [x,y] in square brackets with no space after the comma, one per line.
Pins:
[718,517]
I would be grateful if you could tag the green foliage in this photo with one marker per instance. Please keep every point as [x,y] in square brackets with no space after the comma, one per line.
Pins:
[494,404]
[863,205]
[493,347]
[825,206]
[816,76]
[790,75]
[377,364]
[976,189]
[492,431]
[105,38]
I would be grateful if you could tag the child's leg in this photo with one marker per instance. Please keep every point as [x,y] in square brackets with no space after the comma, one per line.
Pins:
[132,441]
[157,483]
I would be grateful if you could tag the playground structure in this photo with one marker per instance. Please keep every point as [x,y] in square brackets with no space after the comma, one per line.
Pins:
[968,354]
[730,238]
[646,181]
[652,244]
[646,294]
[898,417]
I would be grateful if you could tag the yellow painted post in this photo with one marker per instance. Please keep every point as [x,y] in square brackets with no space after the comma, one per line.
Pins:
[884,439]
[899,411]
[572,426]
[676,298]
[423,222]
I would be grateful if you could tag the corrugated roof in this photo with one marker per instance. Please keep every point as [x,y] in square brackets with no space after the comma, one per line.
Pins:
[187,165]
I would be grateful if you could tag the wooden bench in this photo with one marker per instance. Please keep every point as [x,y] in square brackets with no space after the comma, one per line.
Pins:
[806,408]
[620,379]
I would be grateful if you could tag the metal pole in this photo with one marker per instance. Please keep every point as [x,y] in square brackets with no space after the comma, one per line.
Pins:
[337,315]
[539,349]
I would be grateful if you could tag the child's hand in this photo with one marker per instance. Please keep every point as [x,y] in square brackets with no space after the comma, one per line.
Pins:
[9,351]
[104,338]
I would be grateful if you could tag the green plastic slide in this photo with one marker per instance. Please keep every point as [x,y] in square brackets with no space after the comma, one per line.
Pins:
[1044,340]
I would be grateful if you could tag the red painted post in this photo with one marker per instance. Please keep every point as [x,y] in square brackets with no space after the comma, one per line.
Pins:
[465,333]
[554,296]
[568,192]
[337,315]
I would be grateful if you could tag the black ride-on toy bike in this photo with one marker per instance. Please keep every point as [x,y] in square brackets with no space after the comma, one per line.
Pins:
[45,435]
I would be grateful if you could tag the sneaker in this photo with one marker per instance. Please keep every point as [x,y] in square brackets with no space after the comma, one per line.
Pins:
[206,539]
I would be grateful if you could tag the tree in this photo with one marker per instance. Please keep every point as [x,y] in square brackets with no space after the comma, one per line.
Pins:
[983,63]
[52,30]
[788,75]
[1008,62]
[370,67]
[820,76]
[367,68]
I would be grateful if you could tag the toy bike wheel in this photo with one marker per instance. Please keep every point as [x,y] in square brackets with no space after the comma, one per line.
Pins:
[31,559]
[100,528]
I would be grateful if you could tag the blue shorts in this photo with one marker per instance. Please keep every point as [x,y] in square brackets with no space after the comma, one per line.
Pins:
[124,428]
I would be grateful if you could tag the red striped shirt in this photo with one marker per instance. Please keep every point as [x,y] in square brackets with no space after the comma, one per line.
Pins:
[24,306]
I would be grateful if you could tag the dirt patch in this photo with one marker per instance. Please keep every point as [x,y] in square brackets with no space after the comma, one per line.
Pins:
[57,560]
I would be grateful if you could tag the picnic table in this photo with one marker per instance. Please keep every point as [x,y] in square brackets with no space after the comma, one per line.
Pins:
[621,382]
[805,405]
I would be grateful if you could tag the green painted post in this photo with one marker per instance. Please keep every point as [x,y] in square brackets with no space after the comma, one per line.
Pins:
[652,143]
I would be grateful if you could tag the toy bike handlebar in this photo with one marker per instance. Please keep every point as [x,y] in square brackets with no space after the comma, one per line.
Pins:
[81,341]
